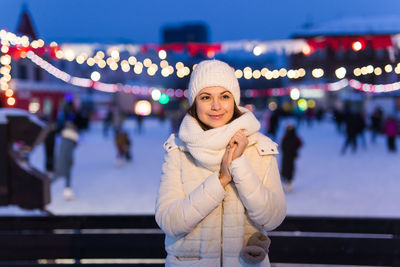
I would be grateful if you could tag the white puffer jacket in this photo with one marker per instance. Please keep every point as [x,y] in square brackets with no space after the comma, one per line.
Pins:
[206,225]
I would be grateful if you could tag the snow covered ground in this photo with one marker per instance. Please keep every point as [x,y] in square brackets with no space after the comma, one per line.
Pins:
[365,183]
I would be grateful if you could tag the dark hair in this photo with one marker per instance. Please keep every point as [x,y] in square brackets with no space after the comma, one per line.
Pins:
[192,111]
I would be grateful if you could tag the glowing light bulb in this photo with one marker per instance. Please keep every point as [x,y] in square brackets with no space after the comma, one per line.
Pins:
[388,68]
[294,94]
[156,94]
[164,64]
[317,73]
[90,61]
[147,62]
[282,72]
[114,54]
[239,74]
[4,49]
[378,71]
[357,72]
[162,54]
[340,72]
[257,50]
[9,93]
[132,60]
[100,54]
[143,108]
[11,101]
[357,46]
[179,65]
[256,74]
[95,76]
[291,74]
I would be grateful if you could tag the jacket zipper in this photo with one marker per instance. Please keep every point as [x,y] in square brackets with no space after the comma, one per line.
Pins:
[222,234]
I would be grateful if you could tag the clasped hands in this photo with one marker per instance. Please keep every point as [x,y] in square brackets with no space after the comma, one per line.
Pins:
[234,150]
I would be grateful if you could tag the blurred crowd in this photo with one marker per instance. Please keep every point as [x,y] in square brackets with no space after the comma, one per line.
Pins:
[350,123]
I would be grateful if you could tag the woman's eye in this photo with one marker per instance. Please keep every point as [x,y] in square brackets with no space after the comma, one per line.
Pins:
[204,97]
[225,96]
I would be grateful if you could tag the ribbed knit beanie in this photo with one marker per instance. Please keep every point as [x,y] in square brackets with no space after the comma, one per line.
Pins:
[213,73]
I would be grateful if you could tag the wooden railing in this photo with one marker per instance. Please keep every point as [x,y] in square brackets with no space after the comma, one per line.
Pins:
[137,240]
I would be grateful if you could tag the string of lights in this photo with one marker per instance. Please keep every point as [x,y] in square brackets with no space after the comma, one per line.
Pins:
[13,46]
[84,53]
[156,93]
[5,72]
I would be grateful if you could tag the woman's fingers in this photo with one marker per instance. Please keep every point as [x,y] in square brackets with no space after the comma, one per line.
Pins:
[225,156]
[231,152]
[240,141]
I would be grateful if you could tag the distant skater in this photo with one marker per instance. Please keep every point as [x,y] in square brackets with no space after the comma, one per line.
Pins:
[291,143]
[65,157]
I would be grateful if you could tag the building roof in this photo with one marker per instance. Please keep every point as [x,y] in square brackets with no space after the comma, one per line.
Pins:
[25,24]
[353,26]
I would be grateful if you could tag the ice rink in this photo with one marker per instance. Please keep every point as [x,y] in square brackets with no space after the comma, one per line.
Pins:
[364,183]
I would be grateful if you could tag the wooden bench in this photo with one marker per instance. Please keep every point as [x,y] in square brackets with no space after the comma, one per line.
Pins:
[137,240]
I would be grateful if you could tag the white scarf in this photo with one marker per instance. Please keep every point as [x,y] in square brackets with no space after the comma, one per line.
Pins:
[208,147]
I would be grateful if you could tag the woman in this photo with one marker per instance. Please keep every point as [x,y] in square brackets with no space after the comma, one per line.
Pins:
[220,182]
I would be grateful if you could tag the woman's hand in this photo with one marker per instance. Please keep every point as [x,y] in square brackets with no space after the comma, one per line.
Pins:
[224,176]
[240,142]
[235,149]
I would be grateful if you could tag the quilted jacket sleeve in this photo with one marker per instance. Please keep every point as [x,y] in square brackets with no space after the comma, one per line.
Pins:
[177,213]
[264,199]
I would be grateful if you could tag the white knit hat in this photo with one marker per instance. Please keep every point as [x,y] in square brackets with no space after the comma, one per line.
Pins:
[213,73]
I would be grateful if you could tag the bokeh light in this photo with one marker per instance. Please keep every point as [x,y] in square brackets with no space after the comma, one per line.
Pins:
[302,104]
[143,108]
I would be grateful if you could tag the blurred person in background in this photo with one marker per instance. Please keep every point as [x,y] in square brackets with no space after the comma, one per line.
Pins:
[320,114]
[338,117]
[65,156]
[123,144]
[376,123]
[361,125]
[391,131]
[139,123]
[50,132]
[273,124]
[107,121]
[352,130]
[310,115]
[220,186]
[290,145]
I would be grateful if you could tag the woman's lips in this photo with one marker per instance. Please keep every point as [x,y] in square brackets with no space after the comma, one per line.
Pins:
[216,117]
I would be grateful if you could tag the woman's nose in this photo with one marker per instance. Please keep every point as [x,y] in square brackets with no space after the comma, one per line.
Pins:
[215,105]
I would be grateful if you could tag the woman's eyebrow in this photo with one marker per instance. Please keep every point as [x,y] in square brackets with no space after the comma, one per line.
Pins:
[227,91]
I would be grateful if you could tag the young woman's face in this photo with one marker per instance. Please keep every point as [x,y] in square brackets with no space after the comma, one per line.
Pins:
[214,106]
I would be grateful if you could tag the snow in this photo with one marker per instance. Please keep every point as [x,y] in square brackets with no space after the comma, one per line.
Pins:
[364,183]
[354,26]
[4,112]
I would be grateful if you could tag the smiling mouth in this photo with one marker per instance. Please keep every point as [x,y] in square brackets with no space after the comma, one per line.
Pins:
[216,117]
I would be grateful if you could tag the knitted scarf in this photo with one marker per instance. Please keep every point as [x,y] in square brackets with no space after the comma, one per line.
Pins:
[208,147]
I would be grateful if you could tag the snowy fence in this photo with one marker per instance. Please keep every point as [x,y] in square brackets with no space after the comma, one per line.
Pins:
[137,240]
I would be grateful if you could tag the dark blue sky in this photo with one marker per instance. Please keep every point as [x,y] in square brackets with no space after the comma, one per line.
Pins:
[141,21]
